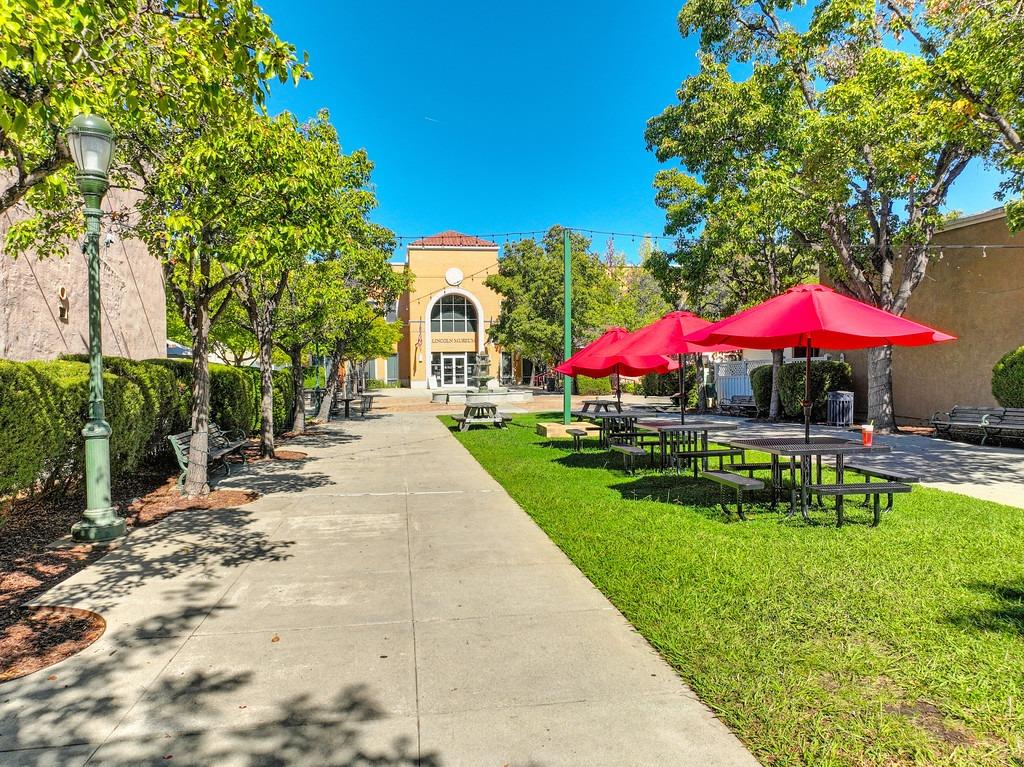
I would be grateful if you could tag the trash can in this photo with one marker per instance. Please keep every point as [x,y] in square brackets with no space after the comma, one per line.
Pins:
[840,408]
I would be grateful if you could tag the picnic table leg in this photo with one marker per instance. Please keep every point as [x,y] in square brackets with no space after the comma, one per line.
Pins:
[840,466]
[805,471]
[877,517]
[347,403]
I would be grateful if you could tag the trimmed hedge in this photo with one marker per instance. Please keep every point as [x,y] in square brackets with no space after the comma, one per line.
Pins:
[1008,379]
[593,386]
[826,376]
[46,404]
[657,385]
[27,439]
[761,383]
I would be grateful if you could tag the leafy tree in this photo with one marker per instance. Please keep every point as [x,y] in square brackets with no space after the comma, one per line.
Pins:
[299,196]
[529,281]
[841,122]
[744,252]
[139,65]
[338,302]
[638,299]
[975,51]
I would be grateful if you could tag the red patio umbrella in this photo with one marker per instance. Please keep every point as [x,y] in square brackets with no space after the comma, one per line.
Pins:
[579,359]
[669,335]
[817,316]
[594,360]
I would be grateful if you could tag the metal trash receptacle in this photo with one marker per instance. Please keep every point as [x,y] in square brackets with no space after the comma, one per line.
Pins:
[840,408]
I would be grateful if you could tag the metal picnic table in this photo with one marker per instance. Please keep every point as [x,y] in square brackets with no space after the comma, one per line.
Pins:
[795,448]
[599,405]
[692,435]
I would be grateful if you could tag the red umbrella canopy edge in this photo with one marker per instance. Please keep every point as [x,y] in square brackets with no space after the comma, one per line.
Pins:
[673,334]
[569,367]
[818,316]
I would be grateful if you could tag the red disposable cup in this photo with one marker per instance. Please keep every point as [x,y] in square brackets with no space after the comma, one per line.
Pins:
[867,433]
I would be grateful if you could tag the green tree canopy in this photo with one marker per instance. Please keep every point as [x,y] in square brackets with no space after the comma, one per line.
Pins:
[836,121]
[529,281]
[139,64]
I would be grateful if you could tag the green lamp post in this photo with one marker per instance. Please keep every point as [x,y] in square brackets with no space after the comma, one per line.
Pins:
[91,142]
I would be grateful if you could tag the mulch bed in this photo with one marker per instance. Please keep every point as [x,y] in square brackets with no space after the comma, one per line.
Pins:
[33,637]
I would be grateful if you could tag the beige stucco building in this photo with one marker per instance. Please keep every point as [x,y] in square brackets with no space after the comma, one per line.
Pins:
[446,315]
[44,304]
[975,293]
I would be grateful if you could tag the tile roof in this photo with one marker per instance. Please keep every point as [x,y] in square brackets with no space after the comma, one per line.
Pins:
[452,239]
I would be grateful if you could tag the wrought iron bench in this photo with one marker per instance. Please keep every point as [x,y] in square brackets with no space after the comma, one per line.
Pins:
[220,446]
[739,404]
[967,422]
[739,483]
[1009,425]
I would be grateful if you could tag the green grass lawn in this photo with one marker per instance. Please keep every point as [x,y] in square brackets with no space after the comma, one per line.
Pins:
[902,644]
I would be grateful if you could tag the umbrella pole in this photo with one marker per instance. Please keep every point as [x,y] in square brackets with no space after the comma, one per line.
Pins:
[682,388]
[618,386]
[807,393]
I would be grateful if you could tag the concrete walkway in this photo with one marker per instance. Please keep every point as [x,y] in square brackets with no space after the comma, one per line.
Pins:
[384,603]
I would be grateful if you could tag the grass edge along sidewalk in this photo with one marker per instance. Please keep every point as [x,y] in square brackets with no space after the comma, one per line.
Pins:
[897,645]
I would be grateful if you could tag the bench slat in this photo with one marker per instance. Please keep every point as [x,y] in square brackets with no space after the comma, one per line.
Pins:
[733,480]
[861,488]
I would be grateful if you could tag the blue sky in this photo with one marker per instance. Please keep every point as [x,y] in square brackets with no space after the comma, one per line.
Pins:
[495,117]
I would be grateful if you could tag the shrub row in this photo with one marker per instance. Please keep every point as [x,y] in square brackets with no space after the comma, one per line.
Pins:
[1008,379]
[47,403]
[826,376]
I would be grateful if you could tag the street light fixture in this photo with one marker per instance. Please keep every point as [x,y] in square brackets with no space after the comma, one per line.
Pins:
[91,142]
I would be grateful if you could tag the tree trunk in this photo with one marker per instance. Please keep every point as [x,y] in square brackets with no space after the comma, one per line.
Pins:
[775,401]
[196,480]
[880,407]
[299,384]
[266,397]
[331,386]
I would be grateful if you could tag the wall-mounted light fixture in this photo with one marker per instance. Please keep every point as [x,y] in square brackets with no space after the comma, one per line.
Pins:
[62,304]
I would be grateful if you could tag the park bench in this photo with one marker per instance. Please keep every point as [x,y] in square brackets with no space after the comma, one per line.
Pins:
[220,446]
[739,404]
[874,490]
[737,482]
[1009,424]
[967,422]
[629,455]
[698,458]
[577,438]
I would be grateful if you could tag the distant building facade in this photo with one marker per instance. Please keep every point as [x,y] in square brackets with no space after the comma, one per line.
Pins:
[44,304]
[975,293]
[446,315]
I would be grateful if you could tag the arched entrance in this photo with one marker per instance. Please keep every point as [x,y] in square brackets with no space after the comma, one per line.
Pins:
[454,336]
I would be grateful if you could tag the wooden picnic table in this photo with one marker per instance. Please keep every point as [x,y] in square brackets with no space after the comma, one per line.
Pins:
[798,449]
[690,436]
[480,412]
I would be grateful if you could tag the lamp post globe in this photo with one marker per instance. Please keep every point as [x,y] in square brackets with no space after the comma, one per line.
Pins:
[91,144]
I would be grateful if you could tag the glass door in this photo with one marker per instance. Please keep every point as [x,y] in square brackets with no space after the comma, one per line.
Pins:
[453,369]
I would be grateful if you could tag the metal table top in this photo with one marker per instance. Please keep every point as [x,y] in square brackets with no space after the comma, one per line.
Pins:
[667,425]
[797,446]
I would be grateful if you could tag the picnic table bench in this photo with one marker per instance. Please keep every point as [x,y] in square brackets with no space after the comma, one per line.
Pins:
[737,482]
[220,445]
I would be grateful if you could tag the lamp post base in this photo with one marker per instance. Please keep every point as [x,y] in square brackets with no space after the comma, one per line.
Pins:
[98,525]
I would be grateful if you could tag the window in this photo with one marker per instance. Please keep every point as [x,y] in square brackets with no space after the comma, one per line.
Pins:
[453,314]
